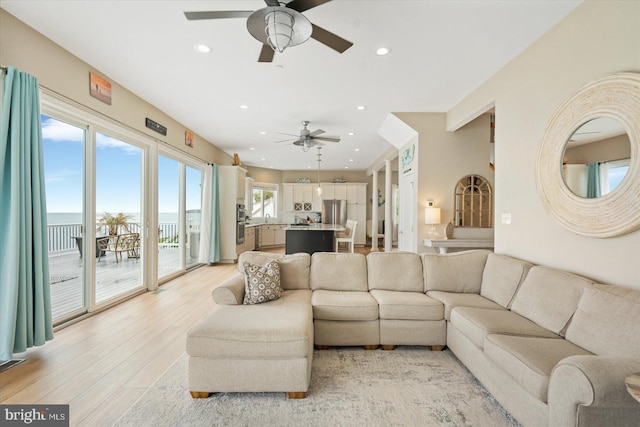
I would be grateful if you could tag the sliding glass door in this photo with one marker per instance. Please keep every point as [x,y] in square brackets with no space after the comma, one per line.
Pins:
[179,204]
[119,213]
[63,152]
[105,241]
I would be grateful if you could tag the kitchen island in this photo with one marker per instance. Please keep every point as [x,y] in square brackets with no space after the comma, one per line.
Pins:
[310,238]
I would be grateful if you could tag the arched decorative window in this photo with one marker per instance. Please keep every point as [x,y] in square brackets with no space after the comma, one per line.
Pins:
[473,205]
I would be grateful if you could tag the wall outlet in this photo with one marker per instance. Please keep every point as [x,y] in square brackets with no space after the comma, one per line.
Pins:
[506,218]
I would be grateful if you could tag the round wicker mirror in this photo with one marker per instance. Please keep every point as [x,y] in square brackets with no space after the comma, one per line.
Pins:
[616,97]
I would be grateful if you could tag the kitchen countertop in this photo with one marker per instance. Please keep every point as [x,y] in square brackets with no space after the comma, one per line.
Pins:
[258,224]
[315,227]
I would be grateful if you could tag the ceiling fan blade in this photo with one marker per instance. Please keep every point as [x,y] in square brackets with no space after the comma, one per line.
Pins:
[291,134]
[218,14]
[272,2]
[316,132]
[330,138]
[266,53]
[302,5]
[327,38]
[284,140]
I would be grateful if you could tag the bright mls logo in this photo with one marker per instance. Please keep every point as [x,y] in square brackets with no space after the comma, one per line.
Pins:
[35,415]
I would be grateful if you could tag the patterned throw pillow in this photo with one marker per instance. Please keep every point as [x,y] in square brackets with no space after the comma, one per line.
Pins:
[262,283]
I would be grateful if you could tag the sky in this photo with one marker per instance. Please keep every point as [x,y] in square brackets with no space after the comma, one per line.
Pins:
[118,173]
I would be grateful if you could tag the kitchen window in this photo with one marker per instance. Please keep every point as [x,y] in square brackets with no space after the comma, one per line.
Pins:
[264,198]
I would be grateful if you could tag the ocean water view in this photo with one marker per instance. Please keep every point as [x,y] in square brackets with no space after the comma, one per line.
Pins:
[58,218]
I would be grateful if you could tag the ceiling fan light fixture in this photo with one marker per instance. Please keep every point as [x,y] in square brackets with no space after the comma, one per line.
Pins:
[279,27]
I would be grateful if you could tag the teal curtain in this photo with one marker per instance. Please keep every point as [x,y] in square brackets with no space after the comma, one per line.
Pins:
[214,249]
[25,301]
[593,180]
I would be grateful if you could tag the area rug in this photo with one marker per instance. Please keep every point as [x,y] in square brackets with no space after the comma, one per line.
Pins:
[410,386]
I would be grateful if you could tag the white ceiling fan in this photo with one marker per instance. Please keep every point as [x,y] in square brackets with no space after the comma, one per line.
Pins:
[308,139]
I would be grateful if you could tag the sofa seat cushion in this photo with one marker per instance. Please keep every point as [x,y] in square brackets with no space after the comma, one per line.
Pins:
[452,299]
[395,305]
[477,323]
[275,329]
[529,360]
[344,305]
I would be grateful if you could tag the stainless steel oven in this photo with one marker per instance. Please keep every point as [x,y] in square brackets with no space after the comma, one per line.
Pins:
[241,213]
[239,232]
[241,219]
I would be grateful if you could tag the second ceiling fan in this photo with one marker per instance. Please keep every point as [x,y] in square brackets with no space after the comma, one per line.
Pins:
[279,26]
[308,139]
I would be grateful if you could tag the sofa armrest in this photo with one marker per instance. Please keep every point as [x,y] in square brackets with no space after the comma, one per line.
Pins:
[230,292]
[590,390]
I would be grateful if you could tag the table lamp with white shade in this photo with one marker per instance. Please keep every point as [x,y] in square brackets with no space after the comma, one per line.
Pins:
[432,217]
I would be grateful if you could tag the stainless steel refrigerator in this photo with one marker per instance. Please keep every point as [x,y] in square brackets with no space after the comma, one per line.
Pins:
[334,212]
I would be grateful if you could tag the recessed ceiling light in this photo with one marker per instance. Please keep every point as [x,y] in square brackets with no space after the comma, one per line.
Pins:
[263,159]
[382,51]
[202,48]
[308,167]
[244,107]
[351,133]
[263,133]
[361,107]
[357,149]
[252,148]
[346,167]
[351,160]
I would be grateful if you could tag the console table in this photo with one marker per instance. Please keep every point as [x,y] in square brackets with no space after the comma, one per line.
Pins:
[443,245]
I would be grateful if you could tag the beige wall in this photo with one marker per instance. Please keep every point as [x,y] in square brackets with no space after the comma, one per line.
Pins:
[444,158]
[596,39]
[62,72]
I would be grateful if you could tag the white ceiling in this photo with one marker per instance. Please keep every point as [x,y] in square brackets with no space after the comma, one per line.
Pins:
[440,52]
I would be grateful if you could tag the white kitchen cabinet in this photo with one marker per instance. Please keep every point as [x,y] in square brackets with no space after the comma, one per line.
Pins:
[279,234]
[299,197]
[340,191]
[316,199]
[328,191]
[267,235]
[250,239]
[248,192]
[288,197]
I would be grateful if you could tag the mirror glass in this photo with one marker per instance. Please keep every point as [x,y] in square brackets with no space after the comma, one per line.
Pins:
[596,158]
[473,202]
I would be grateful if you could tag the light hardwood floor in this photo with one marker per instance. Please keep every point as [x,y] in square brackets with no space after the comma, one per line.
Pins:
[101,365]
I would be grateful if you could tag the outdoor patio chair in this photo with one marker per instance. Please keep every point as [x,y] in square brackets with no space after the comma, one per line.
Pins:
[129,243]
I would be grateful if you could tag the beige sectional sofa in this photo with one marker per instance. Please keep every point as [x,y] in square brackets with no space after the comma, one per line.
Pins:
[552,347]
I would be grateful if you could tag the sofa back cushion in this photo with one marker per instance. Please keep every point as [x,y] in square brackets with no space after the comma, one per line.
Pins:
[454,272]
[338,272]
[294,268]
[501,277]
[395,271]
[607,321]
[549,297]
